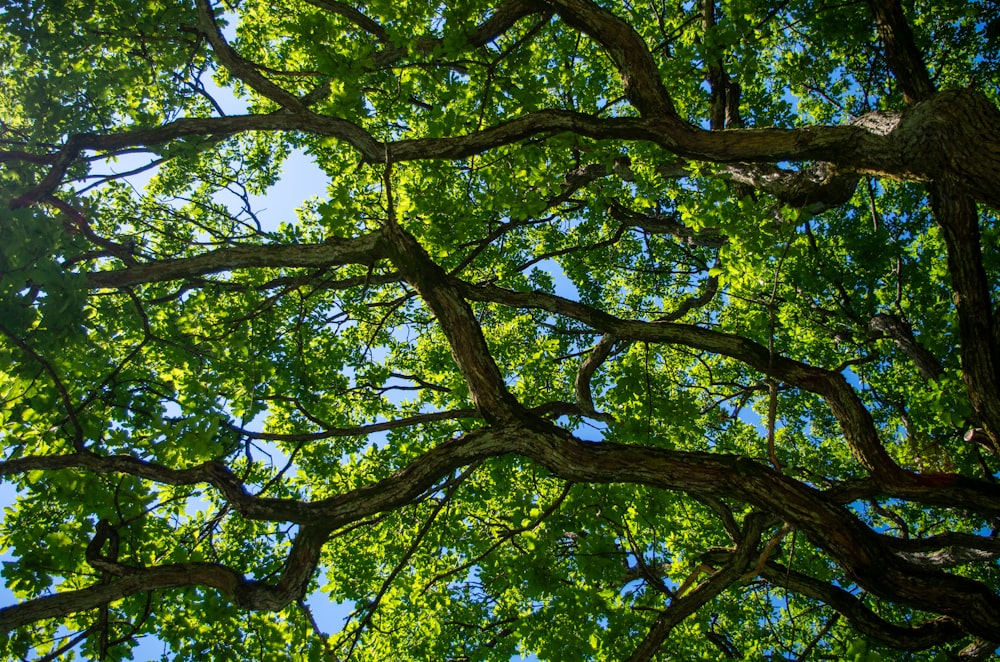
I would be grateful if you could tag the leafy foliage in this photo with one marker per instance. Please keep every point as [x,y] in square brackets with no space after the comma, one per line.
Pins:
[621,331]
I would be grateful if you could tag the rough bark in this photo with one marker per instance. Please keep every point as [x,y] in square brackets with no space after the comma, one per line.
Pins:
[948,140]
[956,214]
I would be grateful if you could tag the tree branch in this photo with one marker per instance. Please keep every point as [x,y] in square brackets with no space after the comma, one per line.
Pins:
[598,355]
[238,66]
[683,606]
[247,594]
[901,52]
[930,633]
[367,249]
[900,332]
[958,218]
[468,346]
[640,77]
[865,555]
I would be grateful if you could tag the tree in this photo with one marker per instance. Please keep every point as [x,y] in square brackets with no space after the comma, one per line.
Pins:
[623,331]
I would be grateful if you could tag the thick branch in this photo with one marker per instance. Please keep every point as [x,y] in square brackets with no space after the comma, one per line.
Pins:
[901,52]
[958,218]
[663,224]
[924,635]
[865,555]
[367,249]
[504,16]
[724,103]
[951,557]
[246,594]
[816,188]
[355,16]
[237,65]
[861,552]
[468,346]
[900,332]
[640,77]
[212,473]
[947,541]
[594,360]
[855,420]
[195,128]
[953,136]
[393,492]
[682,607]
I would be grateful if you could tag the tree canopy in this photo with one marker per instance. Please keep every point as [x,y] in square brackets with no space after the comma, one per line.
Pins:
[623,330]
